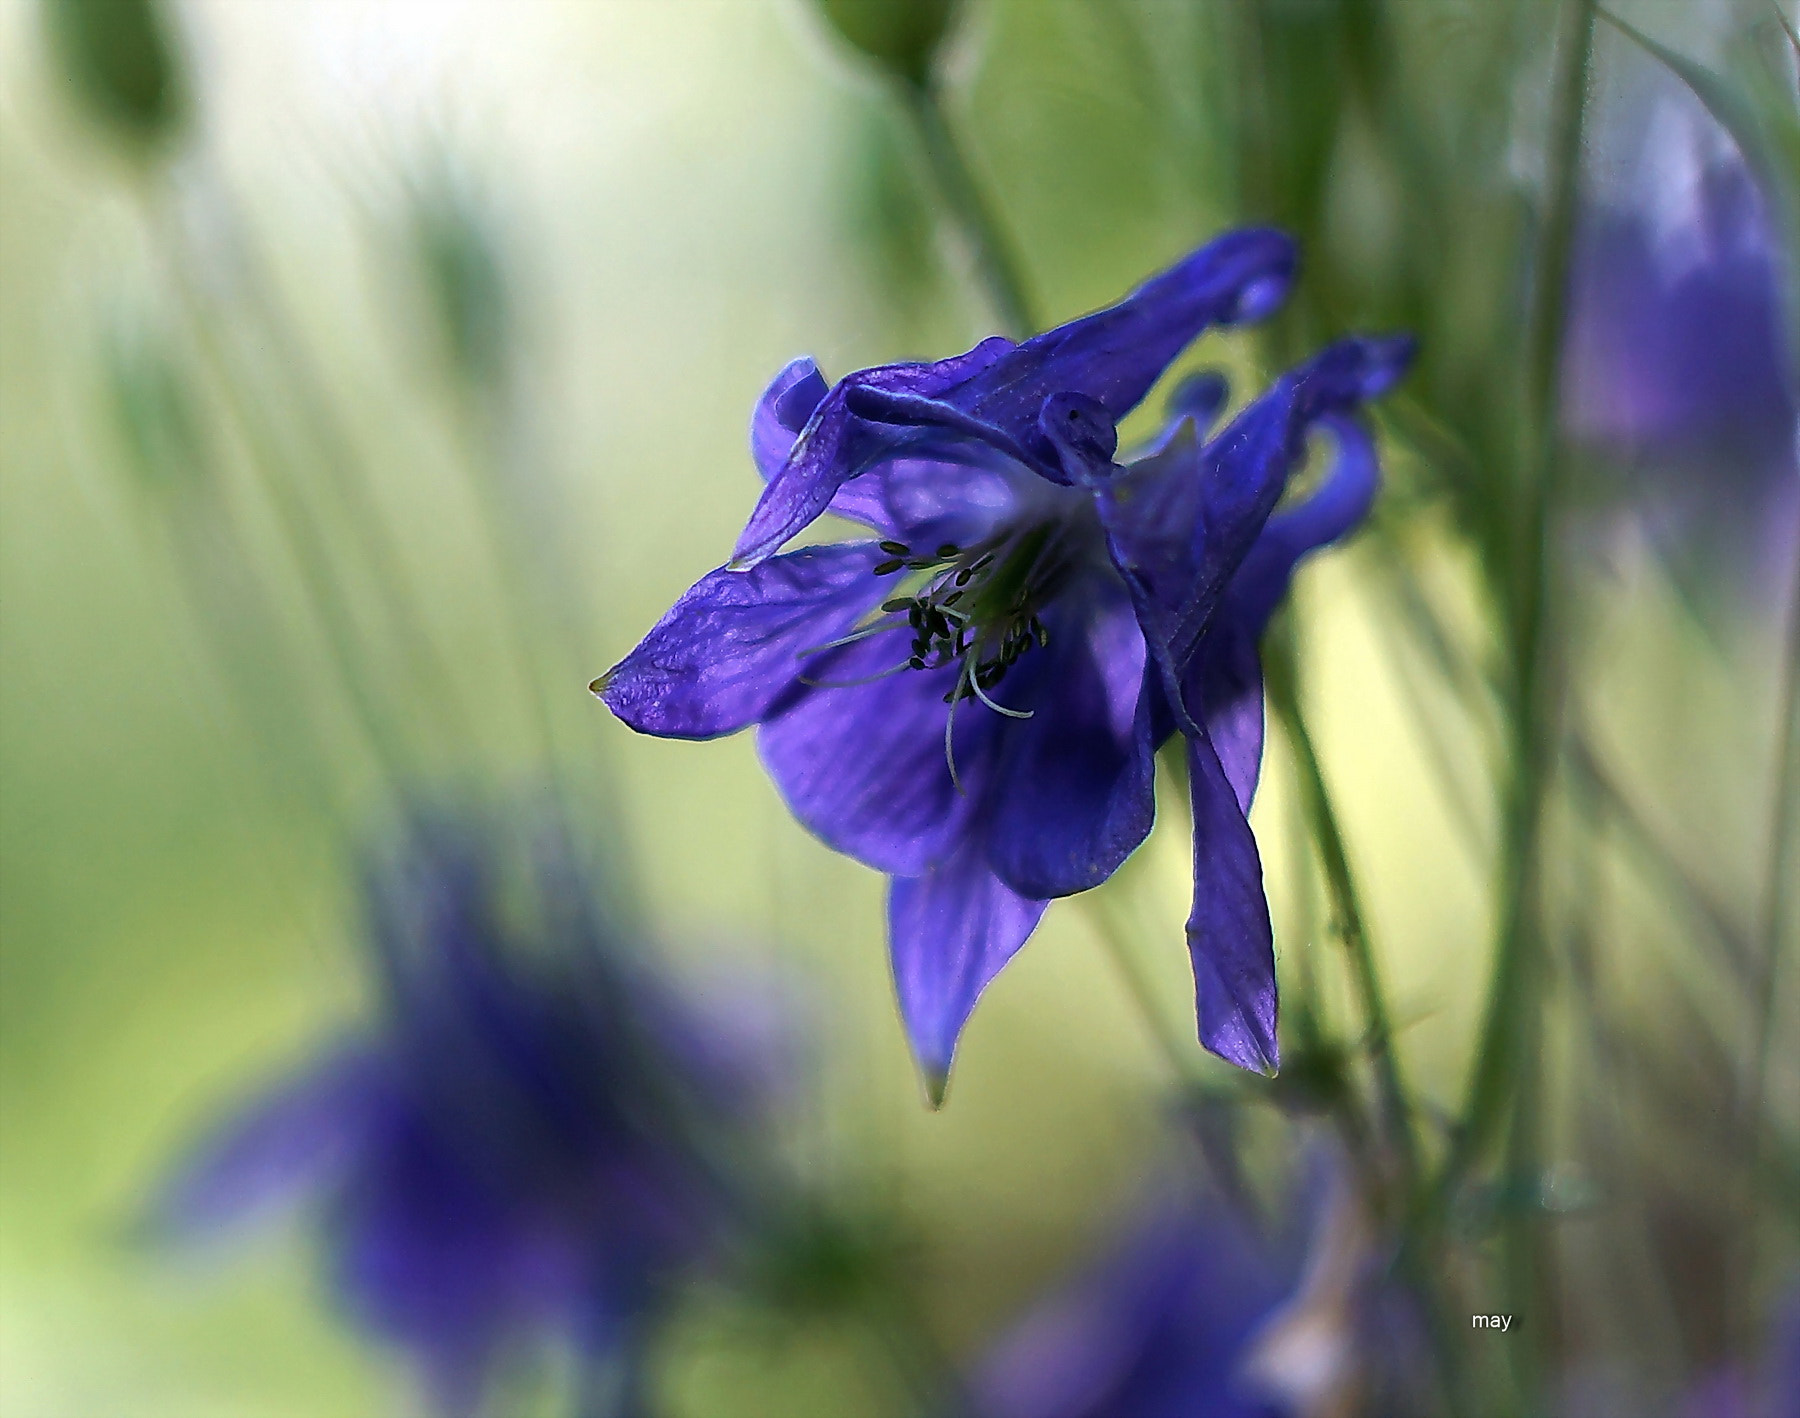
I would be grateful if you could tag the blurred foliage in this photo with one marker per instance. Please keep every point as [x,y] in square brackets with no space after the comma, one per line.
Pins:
[902,36]
[260,580]
[120,62]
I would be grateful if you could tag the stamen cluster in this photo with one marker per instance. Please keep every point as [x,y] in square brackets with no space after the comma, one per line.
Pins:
[953,613]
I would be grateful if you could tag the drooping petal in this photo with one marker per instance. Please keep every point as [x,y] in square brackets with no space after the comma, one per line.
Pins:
[951,930]
[732,644]
[1178,526]
[279,1149]
[1223,683]
[1230,939]
[782,412]
[1075,790]
[837,445]
[1224,686]
[864,766]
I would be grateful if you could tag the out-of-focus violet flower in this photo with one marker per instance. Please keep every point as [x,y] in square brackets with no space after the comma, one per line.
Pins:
[1676,361]
[523,1148]
[1744,1390]
[1198,1312]
[970,701]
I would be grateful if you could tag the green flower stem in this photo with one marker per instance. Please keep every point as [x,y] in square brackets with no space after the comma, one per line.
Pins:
[1328,841]
[1533,713]
[995,260]
[1778,877]
[305,538]
[338,467]
[1168,1041]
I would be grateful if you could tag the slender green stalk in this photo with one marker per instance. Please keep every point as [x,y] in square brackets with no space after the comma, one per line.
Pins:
[1522,1249]
[1777,887]
[1169,1043]
[995,259]
[339,467]
[1778,878]
[305,539]
[1518,964]
[1328,841]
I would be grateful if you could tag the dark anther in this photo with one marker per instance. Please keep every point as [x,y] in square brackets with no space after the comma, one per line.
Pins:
[917,662]
[895,548]
[898,603]
[947,550]
[888,568]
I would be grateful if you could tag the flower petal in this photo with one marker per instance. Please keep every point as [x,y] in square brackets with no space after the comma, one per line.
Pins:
[732,644]
[925,502]
[951,930]
[1230,939]
[1224,685]
[1075,792]
[1178,525]
[782,412]
[429,1257]
[1104,363]
[263,1159]
[864,766]
[1331,513]
[1115,355]
[837,445]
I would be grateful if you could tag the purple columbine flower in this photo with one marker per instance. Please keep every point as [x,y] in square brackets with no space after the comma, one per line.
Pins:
[1198,1310]
[1676,362]
[522,1149]
[971,700]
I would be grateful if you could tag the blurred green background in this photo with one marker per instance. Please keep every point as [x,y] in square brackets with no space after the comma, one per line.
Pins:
[679,198]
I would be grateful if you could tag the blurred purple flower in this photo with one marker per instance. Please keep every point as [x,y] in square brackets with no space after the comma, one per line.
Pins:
[1676,361]
[523,1147]
[971,702]
[1197,1312]
[1746,1390]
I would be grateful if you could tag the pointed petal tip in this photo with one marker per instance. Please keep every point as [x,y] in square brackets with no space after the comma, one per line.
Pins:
[1246,1048]
[1379,362]
[937,1085]
[1270,261]
[597,685]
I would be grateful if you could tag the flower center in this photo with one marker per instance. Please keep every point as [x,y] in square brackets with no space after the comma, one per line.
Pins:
[977,607]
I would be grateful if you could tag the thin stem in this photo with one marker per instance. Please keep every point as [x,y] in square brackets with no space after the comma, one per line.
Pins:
[1169,1043]
[1522,1242]
[1328,841]
[306,541]
[1517,961]
[995,259]
[1777,879]
[339,468]
[1777,886]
